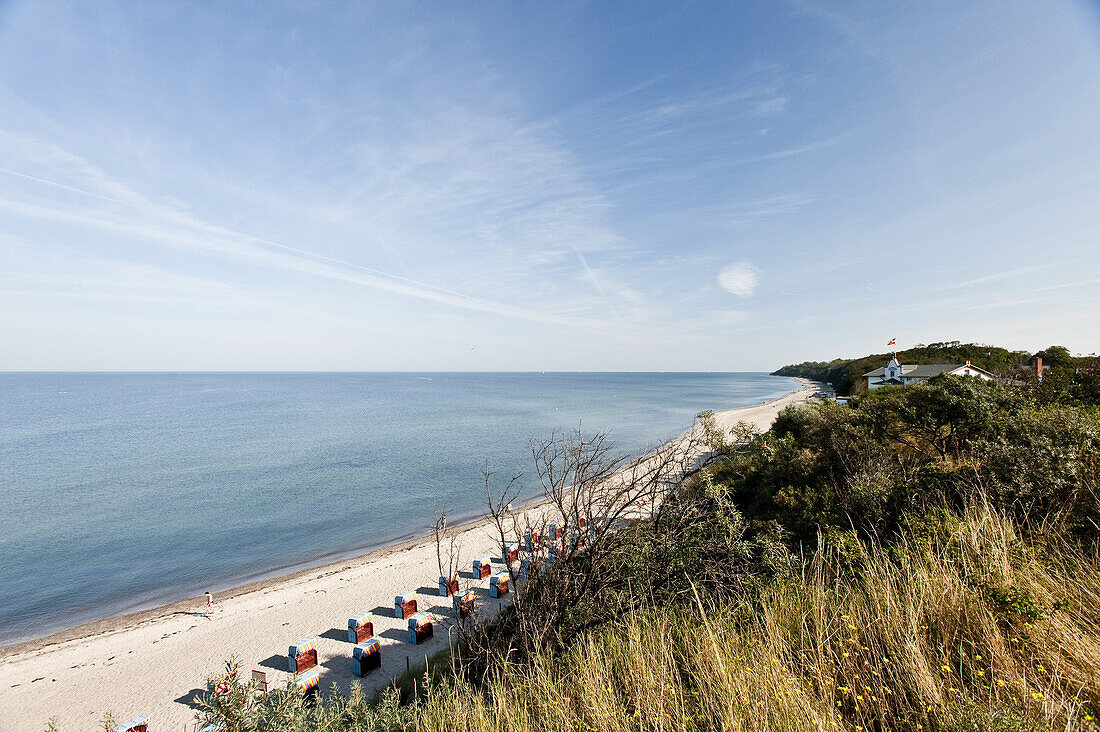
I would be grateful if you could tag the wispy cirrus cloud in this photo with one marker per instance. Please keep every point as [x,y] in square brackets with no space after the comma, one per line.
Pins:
[215,240]
[540,223]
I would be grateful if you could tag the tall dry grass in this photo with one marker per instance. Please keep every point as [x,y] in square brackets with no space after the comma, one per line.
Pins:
[972,629]
[976,630]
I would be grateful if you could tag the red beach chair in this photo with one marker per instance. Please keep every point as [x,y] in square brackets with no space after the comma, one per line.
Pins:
[465,604]
[448,585]
[360,627]
[483,567]
[137,724]
[498,584]
[404,605]
[309,681]
[302,656]
[420,628]
[366,657]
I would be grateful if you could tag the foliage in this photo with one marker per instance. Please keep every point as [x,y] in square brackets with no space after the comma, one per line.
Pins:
[897,454]
[846,375]
[909,642]
[1076,382]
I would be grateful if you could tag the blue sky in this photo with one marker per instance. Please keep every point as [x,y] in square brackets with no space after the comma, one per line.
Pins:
[520,186]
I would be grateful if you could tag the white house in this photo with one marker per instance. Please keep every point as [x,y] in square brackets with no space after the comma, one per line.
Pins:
[895,374]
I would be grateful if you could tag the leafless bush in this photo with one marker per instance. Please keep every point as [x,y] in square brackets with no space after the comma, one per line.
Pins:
[447,554]
[568,555]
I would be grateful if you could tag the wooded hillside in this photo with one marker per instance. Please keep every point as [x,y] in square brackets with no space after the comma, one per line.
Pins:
[846,374]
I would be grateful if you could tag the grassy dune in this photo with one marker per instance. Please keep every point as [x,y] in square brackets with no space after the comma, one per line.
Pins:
[925,636]
[924,560]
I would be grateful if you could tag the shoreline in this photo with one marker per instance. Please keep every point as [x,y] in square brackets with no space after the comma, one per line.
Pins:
[251,621]
[128,620]
[346,559]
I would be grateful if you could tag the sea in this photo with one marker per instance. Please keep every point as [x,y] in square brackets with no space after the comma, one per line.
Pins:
[121,492]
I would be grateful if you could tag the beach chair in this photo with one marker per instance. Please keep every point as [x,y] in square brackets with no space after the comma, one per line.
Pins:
[221,685]
[498,584]
[404,605]
[582,519]
[483,567]
[526,567]
[509,553]
[360,627]
[464,605]
[260,678]
[553,552]
[554,530]
[308,683]
[213,727]
[302,656]
[448,585]
[531,539]
[420,628]
[366,657]
[137,724]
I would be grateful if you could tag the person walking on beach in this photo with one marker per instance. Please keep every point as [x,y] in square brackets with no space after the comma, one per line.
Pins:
[209,605]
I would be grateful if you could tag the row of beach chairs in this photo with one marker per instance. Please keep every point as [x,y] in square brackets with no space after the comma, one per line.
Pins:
[366,653]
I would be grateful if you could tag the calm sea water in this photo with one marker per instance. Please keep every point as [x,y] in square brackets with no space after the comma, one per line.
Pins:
[123,491]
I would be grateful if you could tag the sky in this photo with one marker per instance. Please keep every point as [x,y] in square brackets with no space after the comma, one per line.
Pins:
[726,186]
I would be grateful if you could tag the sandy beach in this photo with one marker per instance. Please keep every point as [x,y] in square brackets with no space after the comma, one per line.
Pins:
[154,662]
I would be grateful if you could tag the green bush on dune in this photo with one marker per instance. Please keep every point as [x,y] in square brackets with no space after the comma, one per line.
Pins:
[924,559]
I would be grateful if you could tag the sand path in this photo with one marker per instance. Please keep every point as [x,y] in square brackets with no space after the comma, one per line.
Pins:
[153,663]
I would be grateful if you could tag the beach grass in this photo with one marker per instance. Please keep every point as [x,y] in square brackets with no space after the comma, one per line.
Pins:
[980,629]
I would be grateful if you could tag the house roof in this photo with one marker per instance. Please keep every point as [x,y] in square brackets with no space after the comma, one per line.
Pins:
[927,371]
[979,368]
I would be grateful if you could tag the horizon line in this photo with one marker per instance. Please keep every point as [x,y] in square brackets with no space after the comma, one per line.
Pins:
[6,372]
